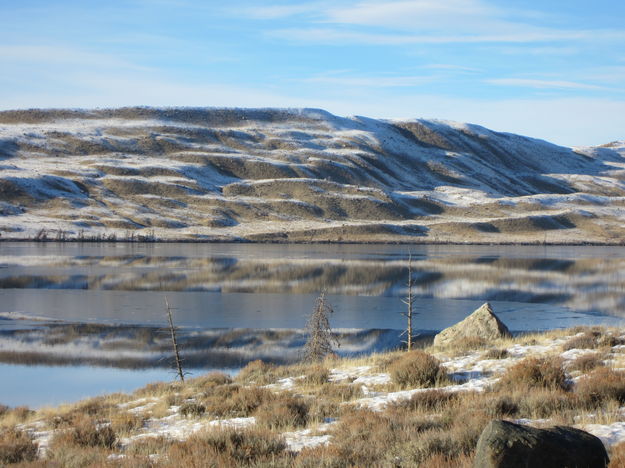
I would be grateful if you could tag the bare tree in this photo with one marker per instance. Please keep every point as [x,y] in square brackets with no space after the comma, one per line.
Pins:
[321,340]
[409,301]
[174,342]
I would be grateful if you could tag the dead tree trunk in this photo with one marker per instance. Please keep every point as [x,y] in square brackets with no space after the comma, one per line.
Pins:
[409,308]
[174,342]
[321,340]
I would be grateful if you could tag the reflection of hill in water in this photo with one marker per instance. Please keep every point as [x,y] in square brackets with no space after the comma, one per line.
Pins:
[144,347]
[584,284]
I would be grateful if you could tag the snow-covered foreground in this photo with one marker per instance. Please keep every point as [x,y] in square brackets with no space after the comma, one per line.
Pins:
[297,175]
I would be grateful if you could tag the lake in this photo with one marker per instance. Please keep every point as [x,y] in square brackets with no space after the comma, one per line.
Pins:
[94,313]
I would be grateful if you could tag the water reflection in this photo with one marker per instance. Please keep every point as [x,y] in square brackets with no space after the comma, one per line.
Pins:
[586,279]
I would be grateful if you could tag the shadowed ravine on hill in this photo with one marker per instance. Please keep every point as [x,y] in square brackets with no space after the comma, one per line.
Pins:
[297,176]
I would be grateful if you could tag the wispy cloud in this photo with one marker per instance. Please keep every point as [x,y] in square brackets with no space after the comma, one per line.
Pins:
[336,36]
[269,12]
[63,55]
[543,84]
[403,22]
[372,81]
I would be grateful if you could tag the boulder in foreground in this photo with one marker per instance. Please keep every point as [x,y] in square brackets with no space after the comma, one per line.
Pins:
[505,444]
[482,323]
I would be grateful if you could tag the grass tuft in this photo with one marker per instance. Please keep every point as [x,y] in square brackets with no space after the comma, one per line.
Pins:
[417,369]
[16,446]
[534,373]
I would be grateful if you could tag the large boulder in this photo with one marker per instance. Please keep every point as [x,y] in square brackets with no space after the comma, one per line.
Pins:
[507,445]
[482,324]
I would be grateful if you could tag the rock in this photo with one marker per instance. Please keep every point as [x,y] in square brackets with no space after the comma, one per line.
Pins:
[482,323]
[509,445]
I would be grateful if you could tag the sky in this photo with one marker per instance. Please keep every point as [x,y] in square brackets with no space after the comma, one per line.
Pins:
[551,69]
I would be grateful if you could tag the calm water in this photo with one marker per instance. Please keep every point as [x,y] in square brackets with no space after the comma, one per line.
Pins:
[260,287]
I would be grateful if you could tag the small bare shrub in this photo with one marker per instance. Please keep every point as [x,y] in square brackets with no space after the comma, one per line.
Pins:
[317,375]
[258,372]
[234,401]
[86,433]
[586,363]
[496,353]
[429,400]
[417,369]
[534,373]
[283,412]
[226,448]
[124,422]
[601,385]
[16,446]
[212,379]
[502,406]
[20,413]
[545,403]
[589,340]
[191,409]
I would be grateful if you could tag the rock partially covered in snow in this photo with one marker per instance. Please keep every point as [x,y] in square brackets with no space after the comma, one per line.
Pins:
[505,444]
[482,323]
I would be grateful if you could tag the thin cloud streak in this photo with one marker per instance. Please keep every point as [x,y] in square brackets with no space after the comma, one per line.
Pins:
[334,36]
[372,81]
[543,84]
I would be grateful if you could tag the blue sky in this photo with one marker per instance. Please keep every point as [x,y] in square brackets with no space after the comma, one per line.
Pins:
[554,71]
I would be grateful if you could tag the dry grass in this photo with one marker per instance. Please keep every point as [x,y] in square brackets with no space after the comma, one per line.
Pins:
[496,353]
[417,369]
[617,456]
[600,386]
[16,446]
[318,375]
[192,410]
[588,340]
[226,448]
[586,363]
[86,432]
[534,373]
[233,401]
[282,413]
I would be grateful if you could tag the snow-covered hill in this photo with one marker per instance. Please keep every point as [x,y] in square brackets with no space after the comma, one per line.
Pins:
[297,175]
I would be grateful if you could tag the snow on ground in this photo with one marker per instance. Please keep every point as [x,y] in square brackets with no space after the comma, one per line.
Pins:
[308,438]
[610,434]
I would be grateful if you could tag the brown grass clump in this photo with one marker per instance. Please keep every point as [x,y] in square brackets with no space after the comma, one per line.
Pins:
[430,400]
[534,373]
[226,448]
[12,416]
[586,363]
[417,369]
[235,401]
[601,385]
[16,446]
[85,432]
[210,380]
[589,340]
[496,353]
[317,375]
[192,409]
[281,413]
[546,403]
[124,422]
[258,372]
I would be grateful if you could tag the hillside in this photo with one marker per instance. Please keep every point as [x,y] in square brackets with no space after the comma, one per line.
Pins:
[297,175]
